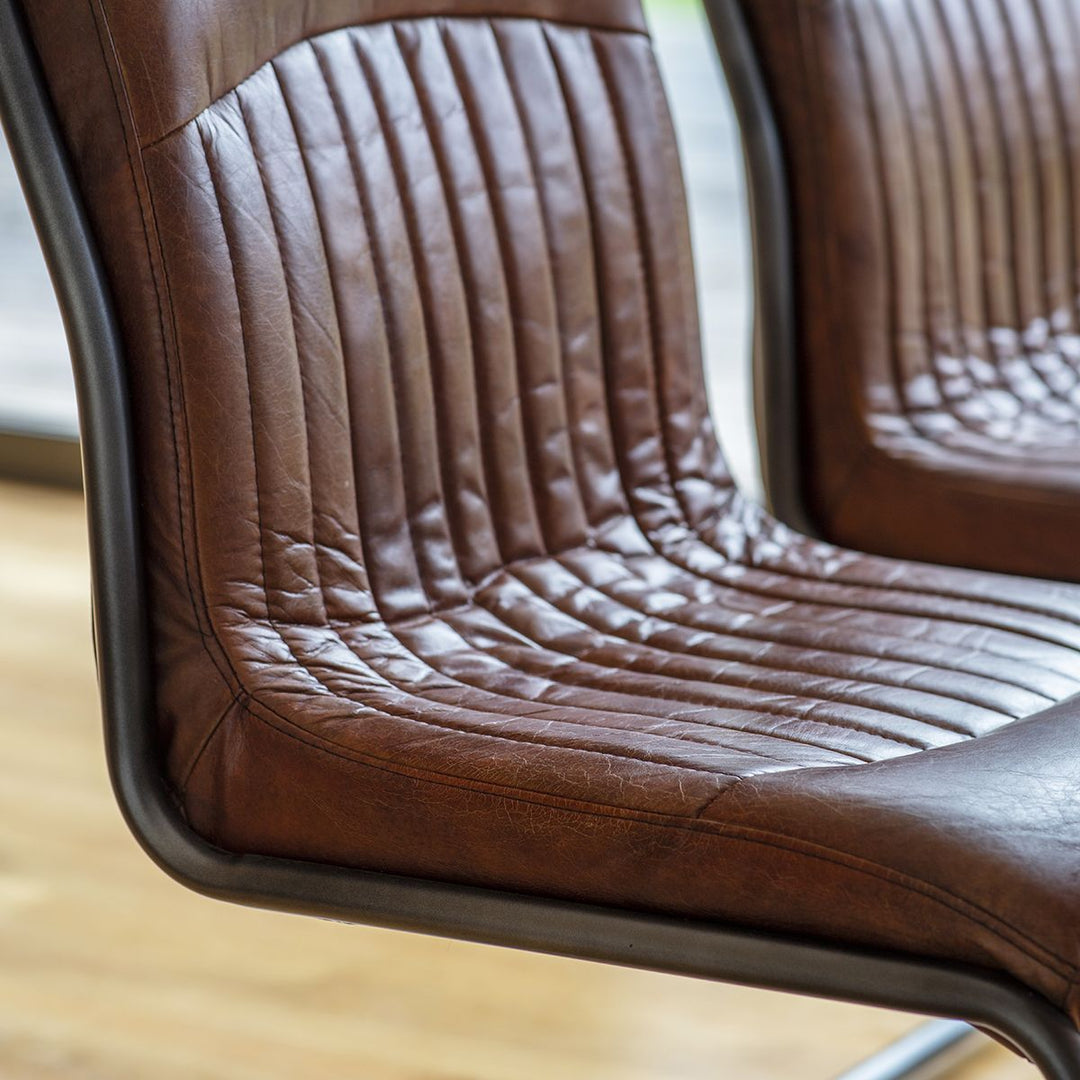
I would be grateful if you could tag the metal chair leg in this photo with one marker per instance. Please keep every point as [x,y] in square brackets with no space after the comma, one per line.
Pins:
[931,1051]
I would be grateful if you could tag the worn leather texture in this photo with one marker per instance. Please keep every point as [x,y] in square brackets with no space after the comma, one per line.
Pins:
[448,576]
[933,155]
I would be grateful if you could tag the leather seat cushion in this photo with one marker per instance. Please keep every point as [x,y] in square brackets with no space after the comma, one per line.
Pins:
[777,734]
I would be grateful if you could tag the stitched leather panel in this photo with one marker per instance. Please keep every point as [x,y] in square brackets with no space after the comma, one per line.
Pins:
[934,153]
[448,574]
[399,266]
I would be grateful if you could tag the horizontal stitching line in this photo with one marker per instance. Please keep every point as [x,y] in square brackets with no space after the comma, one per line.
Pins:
[816,702]
[390,712]
[556,684]
[937,617]
[504,695]
[833,650]
[721,635]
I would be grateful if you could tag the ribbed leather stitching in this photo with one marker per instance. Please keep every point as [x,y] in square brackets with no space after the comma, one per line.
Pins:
[877,709]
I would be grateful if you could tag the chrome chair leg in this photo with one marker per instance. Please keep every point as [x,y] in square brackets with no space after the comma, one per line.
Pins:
[929,1052]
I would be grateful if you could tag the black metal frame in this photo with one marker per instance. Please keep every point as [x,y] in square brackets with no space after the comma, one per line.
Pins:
[679,946]
[776,378]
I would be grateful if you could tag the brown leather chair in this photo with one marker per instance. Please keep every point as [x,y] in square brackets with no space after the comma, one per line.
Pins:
[423,596]
[921,397]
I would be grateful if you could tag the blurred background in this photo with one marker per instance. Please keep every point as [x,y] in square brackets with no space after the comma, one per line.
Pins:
[108,971]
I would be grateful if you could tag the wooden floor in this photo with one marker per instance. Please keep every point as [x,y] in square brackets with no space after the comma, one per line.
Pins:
[109,971]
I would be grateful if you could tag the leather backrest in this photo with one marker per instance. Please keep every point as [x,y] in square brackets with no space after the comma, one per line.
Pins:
[176,58]
[933,149]
[407,294]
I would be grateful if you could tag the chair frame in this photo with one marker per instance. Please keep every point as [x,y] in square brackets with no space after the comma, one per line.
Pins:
[639,940]
[777,416]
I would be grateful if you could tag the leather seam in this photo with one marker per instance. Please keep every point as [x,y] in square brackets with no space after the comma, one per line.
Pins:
[832,650]
[762,710]
[777,670]
[884,184]
[422,277]
[898,588]
[1067,622]
[446,619]
[509,275]
[118,86]
[916,746]
[814,115]
[1007,153]
[590,204]
[902,409]
[236,701]
[363,197]
[644,247]
[482,690]
[649,717]
[891,587]
[272,620]
[532,161]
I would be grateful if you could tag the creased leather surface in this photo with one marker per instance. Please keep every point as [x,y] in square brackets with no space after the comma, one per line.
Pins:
[934,156]
[448,575]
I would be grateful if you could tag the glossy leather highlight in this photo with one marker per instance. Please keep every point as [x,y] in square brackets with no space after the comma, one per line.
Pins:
[448,577]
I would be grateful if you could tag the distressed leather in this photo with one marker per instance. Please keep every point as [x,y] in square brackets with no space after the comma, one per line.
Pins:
[933,151]
[448,576]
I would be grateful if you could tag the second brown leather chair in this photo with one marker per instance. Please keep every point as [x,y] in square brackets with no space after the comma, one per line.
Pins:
[927,404]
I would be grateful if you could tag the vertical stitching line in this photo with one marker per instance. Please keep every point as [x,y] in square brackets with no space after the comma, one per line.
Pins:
[1038,170]
[475,330]
[424,286]
[928,334]
[1005,157]
[576,451]
[214,183]
[601,293]
[502,229]
[378,273]
[1031,152]
[696,397]
[177,409]
[920,199]
[334,298]
[275,226]
[652,310]
[889,229]
[950,243]
[981,269]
